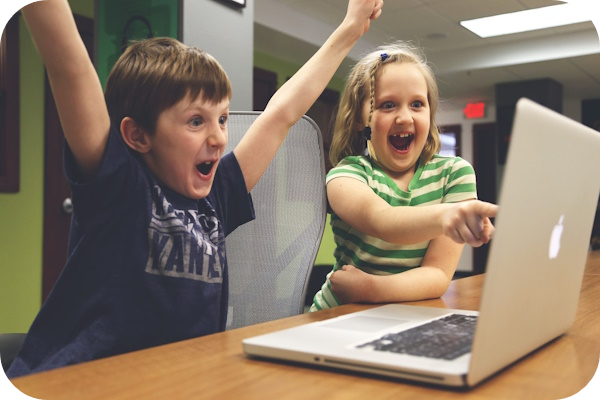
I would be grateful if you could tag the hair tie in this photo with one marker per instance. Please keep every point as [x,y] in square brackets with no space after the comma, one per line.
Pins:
[384,57]
[367,132]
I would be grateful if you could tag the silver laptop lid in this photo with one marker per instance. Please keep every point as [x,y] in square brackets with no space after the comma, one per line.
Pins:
[538,254]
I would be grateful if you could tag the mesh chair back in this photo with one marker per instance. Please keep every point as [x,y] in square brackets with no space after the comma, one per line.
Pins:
[270,259]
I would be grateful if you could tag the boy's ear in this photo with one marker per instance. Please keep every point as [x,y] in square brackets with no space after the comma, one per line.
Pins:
[135,136]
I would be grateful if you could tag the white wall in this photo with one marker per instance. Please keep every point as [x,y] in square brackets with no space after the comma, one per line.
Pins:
[227,33]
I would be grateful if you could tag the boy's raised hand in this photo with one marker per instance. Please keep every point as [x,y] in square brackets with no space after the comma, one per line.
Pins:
[75,84]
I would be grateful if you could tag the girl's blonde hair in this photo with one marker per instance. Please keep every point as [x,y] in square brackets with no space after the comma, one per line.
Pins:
[360,87]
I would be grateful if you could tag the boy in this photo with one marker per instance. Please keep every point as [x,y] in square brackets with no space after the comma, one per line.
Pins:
[153,195]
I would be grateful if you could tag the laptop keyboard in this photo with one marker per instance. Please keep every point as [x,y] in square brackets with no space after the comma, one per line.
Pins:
[446,338]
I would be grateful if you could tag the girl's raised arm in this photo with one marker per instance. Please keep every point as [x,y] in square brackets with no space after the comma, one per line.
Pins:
[294,98]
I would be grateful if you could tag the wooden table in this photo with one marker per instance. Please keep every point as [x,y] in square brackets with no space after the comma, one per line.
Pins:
[214,366]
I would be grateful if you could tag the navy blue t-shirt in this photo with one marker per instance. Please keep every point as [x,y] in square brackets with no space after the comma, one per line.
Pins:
[146,266]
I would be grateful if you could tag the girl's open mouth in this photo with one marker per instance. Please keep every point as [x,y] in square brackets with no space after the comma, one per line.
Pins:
[205,167]
[402,141]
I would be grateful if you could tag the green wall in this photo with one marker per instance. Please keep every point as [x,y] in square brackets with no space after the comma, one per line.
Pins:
[285,69]
[21,214]
[325,255]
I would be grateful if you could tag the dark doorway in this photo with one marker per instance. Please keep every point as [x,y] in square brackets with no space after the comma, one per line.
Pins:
[264,87]
[323,113]
[450,138]
[484,162]
[9,107]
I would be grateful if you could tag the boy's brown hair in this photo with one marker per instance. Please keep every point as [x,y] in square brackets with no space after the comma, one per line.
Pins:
[154,74]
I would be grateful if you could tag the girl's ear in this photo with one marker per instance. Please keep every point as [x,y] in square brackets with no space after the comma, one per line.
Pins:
[359,126]
[135,136]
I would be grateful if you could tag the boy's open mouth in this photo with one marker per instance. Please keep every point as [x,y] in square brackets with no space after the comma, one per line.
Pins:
[205,167]
[401,142]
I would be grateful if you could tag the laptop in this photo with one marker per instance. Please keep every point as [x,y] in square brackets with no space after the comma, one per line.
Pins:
[533,275]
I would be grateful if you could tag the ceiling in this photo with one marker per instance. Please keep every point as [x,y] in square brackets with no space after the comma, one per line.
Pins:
[467,67]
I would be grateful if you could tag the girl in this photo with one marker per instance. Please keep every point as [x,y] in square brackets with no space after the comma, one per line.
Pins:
[390,247]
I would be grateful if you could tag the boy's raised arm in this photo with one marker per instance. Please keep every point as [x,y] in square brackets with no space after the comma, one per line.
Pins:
[296,96]
[75,85]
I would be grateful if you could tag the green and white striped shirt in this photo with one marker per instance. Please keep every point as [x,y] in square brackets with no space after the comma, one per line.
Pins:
[441,180]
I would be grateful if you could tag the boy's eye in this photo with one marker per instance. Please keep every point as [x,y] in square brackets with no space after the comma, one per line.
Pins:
[196,121]
[223,120]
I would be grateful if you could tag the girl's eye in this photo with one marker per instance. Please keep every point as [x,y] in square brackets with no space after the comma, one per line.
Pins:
[417,104]
[387,105]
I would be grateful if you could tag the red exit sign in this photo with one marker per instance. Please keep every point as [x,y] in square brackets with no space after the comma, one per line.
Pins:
[474,110]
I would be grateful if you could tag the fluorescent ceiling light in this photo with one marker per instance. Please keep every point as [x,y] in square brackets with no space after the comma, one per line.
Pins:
[528,20]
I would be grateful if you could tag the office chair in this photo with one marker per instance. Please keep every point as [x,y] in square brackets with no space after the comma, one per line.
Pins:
[10,343]
[270,259]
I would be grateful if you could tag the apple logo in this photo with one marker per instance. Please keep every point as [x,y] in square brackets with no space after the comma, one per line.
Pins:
[555,239]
